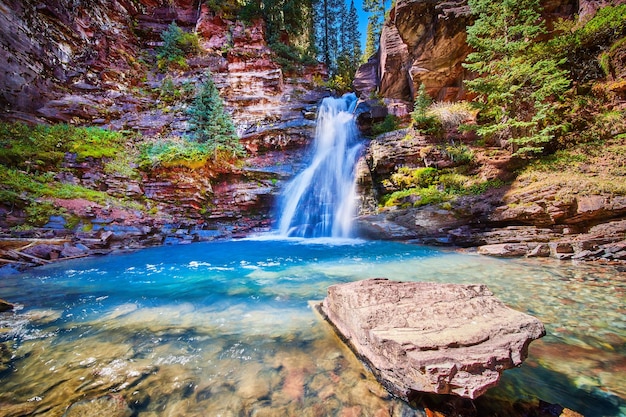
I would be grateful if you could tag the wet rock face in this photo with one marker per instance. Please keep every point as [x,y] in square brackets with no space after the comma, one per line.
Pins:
[428,337]
[5,306]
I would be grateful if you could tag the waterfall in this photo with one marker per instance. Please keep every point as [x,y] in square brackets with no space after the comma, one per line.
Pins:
[320,201]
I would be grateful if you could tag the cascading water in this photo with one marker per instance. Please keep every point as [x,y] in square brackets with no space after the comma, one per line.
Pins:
[320,201]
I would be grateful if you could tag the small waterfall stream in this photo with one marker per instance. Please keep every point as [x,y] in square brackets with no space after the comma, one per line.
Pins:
[320,201]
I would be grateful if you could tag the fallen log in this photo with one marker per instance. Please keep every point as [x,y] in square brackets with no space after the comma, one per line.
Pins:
[17,254]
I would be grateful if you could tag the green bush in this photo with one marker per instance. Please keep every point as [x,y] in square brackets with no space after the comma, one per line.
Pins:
[607,22]
[423,121]
[422,186]
[406,177]
[177,45]
[483,187]
[415,197]
[38,213]
[170,93]
[460,154]
[290,57]
[390,124]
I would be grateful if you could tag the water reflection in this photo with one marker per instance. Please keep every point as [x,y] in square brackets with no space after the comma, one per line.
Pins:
[225,329]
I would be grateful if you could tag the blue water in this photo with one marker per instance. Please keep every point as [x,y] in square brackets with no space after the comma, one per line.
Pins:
[225,328]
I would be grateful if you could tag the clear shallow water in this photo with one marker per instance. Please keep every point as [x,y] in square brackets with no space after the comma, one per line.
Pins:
[225,329]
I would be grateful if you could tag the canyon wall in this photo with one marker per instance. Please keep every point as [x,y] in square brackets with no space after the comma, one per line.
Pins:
[424,42]
[93,63]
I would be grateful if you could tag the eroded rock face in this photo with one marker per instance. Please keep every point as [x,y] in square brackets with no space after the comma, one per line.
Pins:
[423,41]
[428,337]
[504,222]
[61,42]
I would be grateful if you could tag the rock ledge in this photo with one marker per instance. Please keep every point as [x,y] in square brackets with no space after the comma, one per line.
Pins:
[429,337]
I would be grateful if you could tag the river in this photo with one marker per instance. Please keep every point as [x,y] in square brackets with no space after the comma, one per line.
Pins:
[225,329]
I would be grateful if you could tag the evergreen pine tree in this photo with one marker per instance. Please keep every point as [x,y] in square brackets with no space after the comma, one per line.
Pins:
[370,42]
[211,124]
[516,88]
[329,32]
[344,37]
[354,36]
[377,16]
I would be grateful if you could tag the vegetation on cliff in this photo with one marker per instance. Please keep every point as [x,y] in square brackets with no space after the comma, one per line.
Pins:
[518,90]
[177,45]
[32,159]
[552,100]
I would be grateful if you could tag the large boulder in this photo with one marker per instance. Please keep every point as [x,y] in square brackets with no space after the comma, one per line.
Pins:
[429,337]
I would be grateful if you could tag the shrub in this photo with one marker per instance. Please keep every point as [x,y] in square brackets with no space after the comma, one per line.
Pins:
[423,121]
[174,152]
[415,197]
[460,154]
[289,57]
[451,115]
[177,45]
[406,177]
[170,93]
[422,186]
[390,124]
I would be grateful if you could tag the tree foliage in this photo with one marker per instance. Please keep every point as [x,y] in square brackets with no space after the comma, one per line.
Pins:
[370,42]
[339,42]
[518,90]
[288,25]
[376,18]
[211,124]
[177,44]
[422,120]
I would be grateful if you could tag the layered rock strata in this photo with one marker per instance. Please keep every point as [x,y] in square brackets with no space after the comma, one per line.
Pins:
[428,337]
[555,220]
[94,64]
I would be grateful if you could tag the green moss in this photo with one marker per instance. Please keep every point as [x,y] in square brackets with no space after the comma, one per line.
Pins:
[174,152]
[43,147]
[31,157]
[92,142]
[415,197]
[422,186]
[70,191]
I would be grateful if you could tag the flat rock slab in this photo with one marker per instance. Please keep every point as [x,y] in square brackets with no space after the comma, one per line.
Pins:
[429,337]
